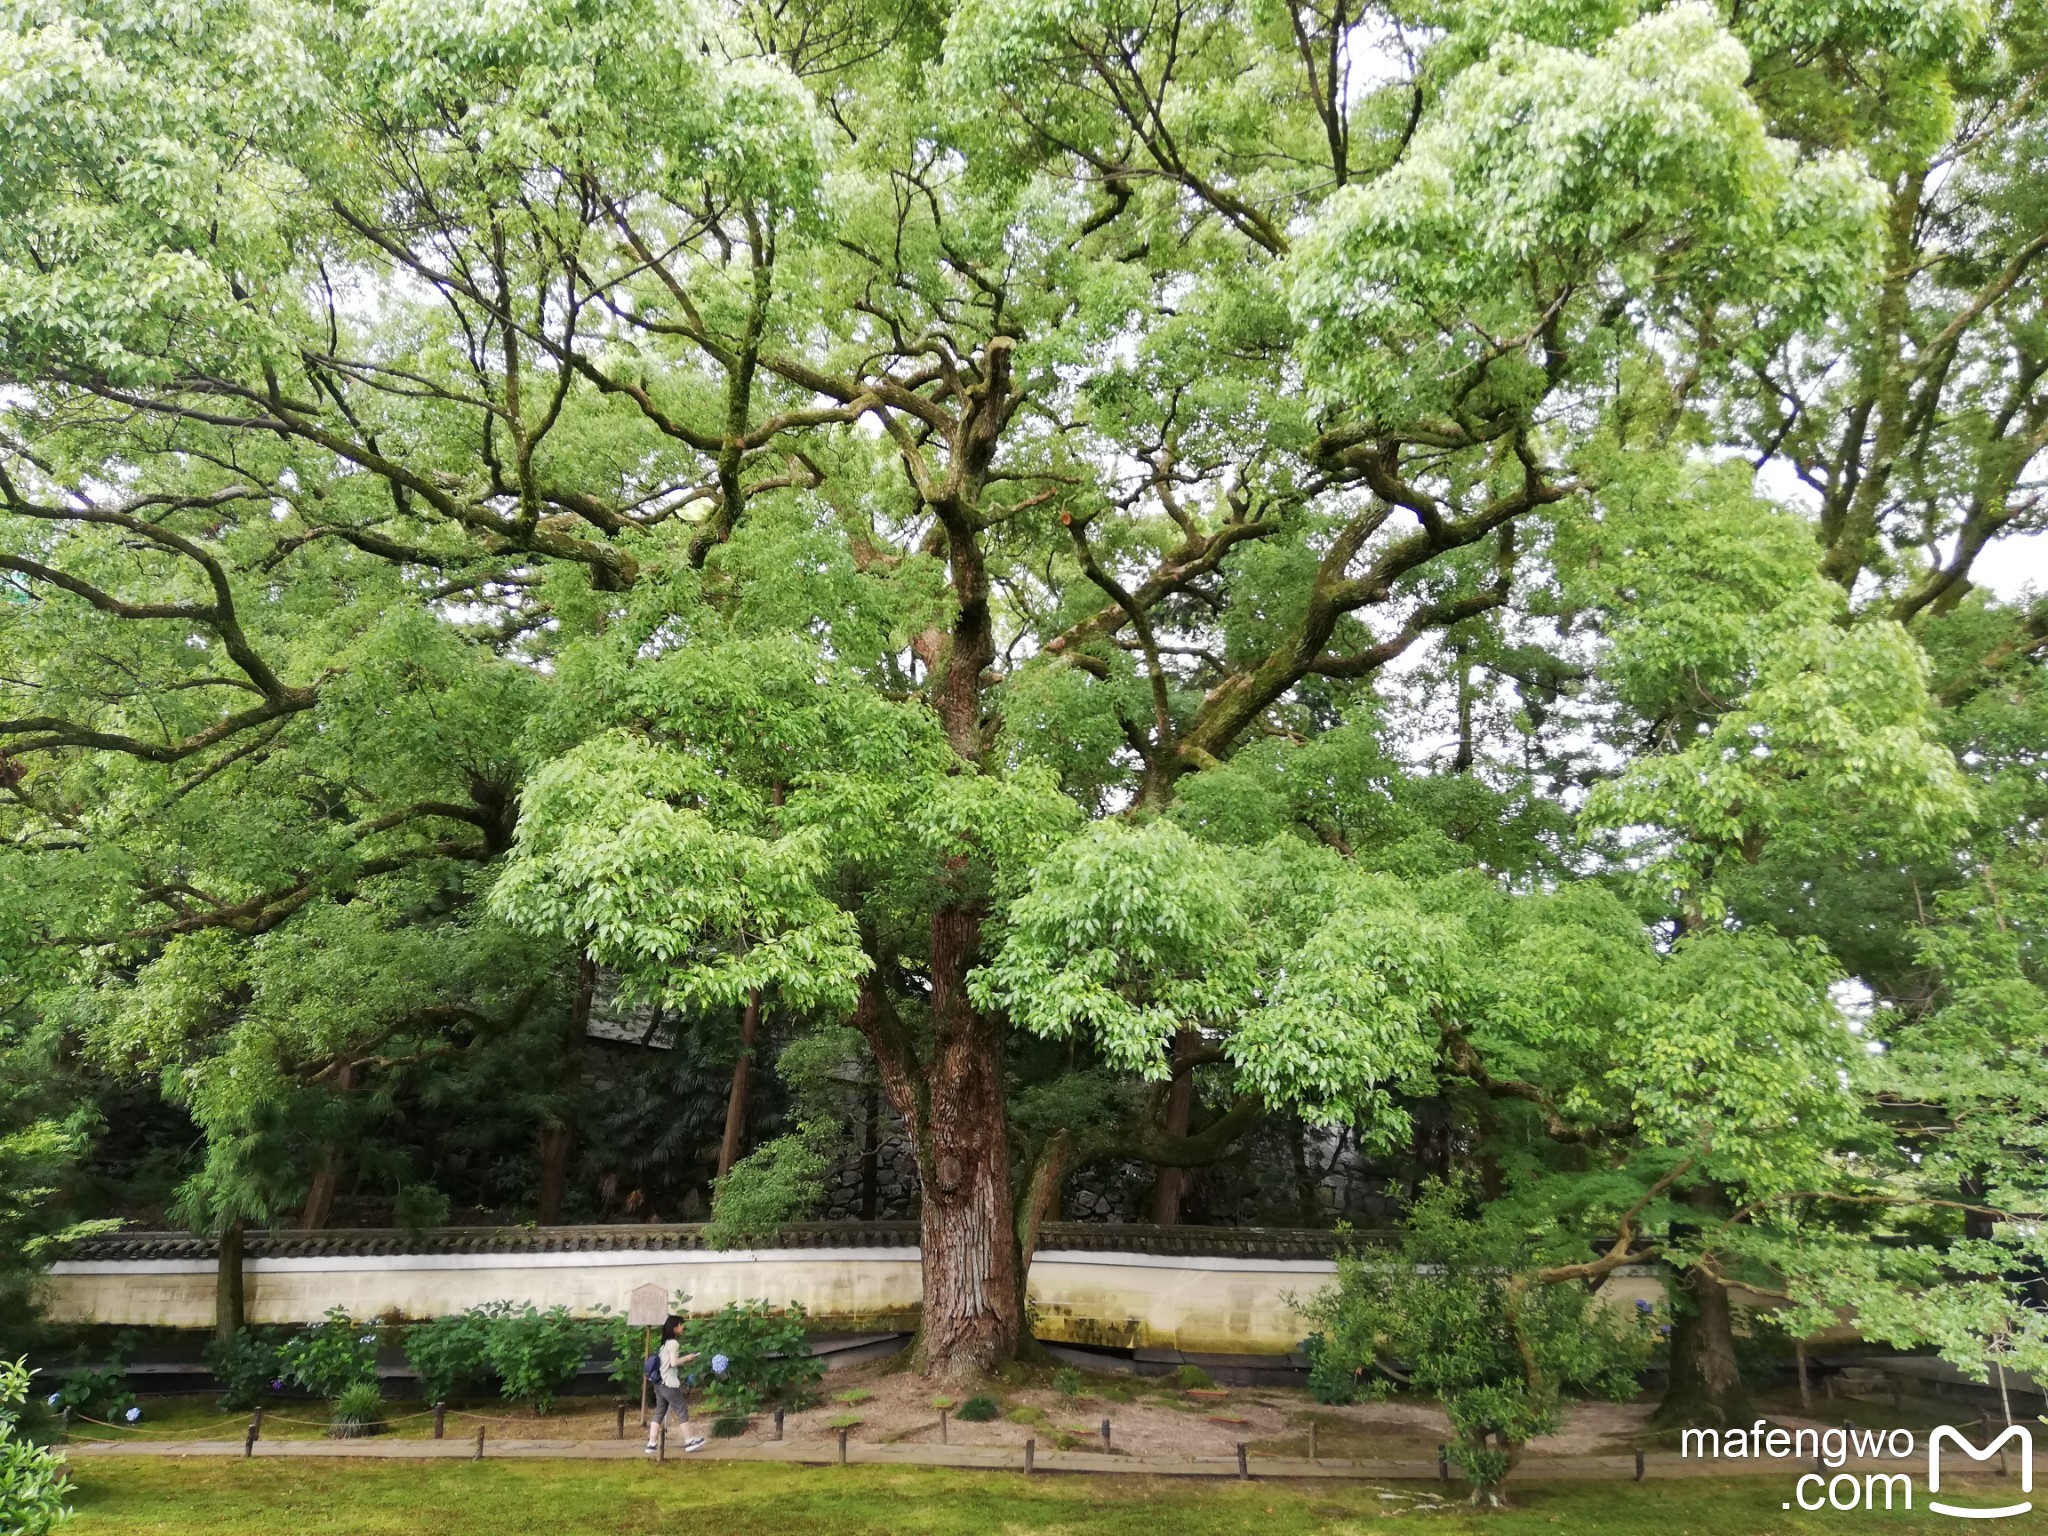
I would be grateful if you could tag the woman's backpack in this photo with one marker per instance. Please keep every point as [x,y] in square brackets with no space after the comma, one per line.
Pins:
[651,1369]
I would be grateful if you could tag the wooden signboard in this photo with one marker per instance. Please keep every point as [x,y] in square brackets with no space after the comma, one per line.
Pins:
[648,1306]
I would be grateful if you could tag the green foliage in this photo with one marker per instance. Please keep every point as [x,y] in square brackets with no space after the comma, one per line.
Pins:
[1191,1378]
[34,1482]
[534,1353]
[244,1365]
[978,1409]
[1475,1312]
[101,1394]
[767,1351]
[357,1411]
[778,1181]
[327,1358]
[1068,1382]
[451,1354]
[728,1426]
[1433,561]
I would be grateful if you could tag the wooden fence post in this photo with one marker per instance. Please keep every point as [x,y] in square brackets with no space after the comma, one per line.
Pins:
[440,1420]
[842,1447]
[1639,1464]
[1105,1437]
[1030,1454]
[1243,1470]
[257,1428]
[622,1420]
[479,1443]
[942,1428]
[1443,1464]
[778,1423]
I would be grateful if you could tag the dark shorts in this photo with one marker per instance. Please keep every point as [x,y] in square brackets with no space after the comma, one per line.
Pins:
[670,1404]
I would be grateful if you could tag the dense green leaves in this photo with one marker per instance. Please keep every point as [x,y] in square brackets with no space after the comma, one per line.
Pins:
[1392,569]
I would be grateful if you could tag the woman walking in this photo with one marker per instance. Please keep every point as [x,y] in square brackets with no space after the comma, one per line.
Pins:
[669,1401]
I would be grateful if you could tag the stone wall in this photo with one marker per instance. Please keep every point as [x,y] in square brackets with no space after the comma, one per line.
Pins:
[1266,1181]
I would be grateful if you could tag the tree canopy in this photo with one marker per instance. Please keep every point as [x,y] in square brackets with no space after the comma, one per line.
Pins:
[1124,567]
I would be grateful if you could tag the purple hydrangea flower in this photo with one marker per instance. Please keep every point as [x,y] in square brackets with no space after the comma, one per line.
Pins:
[1642,1305]
[277,1383]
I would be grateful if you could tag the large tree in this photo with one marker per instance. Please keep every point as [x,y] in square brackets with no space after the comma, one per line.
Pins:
[748,490]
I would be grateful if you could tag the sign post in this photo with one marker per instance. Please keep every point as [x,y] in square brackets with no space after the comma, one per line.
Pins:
[645,1310]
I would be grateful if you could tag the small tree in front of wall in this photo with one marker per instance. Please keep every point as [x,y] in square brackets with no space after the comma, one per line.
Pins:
[1475,1312]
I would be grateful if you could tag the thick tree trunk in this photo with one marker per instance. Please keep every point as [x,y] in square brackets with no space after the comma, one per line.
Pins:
[555,1144]
[973,1301]
[1706,1388]
[950,1096]
[230,1293]
[1172,1185]
[736,1101]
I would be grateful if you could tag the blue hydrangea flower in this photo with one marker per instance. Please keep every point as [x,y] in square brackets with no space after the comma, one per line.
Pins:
[56,1398]
[719,1363]
[133,1415]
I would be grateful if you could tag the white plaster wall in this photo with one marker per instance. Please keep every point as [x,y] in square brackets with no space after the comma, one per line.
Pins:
[1199,1305]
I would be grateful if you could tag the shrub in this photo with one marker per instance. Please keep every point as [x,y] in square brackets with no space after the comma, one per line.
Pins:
[979,1409]
[1068,1382]
[327,1358]
[33,1480]
[1025,1414]
[1192,1378]
[535,1353]
[244,1365]
[451,1355]
[1332,1378]
[358,1411]
[1462,1314]
[100,1395]
[767,1353]
[843,1421]
[727,1425]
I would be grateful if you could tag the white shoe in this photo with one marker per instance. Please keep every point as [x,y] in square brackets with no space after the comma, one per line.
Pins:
[652,1448]
[694,1443]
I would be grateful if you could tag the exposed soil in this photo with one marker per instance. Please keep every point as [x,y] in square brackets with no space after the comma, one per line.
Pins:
[1149,1417]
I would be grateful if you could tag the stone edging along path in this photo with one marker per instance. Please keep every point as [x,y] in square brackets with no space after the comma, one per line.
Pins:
[972,1458]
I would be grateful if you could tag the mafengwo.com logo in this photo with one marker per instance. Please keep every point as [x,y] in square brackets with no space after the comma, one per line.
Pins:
[1832,1484]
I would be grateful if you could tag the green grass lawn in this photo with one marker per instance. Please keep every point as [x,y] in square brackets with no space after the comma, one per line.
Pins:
[234,1498]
